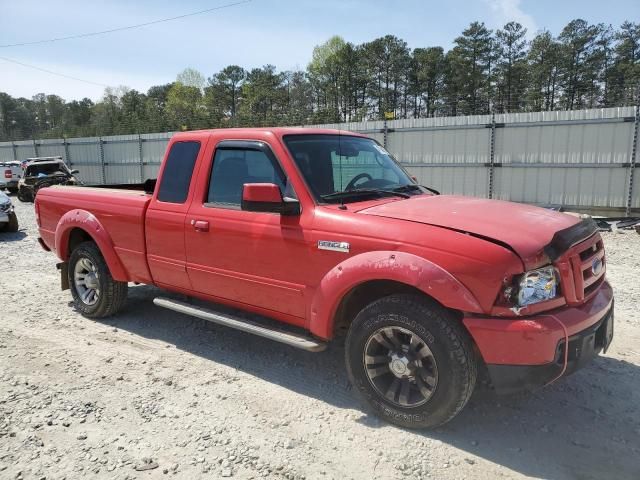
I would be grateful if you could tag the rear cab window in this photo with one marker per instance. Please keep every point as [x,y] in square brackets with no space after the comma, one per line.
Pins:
[178,170]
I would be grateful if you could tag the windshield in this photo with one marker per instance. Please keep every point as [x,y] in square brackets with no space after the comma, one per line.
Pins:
[333,165]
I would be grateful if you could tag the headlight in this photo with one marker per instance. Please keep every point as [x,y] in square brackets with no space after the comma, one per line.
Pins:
[536,286]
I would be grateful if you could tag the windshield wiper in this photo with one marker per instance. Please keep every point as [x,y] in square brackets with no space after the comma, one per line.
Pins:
[413,187]
[362,192]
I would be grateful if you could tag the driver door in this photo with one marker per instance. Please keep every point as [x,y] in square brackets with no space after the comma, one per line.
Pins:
[248,258]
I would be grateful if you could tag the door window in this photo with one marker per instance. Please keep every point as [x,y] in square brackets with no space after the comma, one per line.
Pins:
[233,167]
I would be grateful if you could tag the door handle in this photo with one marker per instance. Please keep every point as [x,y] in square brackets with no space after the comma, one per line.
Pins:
[200,225]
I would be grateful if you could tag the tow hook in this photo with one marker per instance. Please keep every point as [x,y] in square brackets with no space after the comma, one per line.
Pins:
[64,275]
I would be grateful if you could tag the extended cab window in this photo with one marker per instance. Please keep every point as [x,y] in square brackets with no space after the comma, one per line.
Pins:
[177,173]
[233,167]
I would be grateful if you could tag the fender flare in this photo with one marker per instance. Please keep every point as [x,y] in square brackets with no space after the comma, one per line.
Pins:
[400,267]
[87,222]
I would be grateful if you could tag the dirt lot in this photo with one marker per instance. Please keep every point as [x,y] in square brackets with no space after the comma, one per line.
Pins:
[150,388]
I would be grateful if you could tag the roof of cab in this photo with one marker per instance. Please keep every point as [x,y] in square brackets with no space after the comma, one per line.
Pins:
[277,131]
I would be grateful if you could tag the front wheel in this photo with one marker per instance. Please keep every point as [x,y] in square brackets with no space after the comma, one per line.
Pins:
[95,293]
[411,361]
[24,195]
[12,226]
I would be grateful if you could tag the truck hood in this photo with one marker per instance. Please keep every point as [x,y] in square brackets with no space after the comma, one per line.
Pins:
[522,228]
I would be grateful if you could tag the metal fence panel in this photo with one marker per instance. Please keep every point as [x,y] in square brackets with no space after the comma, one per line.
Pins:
[51,148]
[468,146]
[90,174]
[467,180]
[6,152]
[154,146]
[24,149]
[121,149]
[84,155]
[581,187]
[576,158]
[579,143]
[123,173]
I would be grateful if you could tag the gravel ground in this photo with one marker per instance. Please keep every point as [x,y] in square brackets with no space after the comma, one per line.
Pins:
[153,394]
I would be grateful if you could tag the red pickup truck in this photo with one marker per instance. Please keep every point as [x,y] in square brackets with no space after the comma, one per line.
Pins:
[321,232]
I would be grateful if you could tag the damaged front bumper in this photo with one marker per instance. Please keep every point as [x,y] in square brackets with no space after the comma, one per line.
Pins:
[526,353]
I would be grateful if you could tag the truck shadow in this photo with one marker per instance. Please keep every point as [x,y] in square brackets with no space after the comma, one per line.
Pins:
[586,426]
[12,236]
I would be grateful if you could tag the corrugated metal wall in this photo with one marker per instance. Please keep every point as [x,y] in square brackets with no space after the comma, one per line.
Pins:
[581,159]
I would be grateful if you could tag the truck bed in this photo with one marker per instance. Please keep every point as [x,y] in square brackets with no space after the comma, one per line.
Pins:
[125,228]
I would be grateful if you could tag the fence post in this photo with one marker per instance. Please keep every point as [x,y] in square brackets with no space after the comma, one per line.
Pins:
[35,148]
[141,158]
[632,161]
[67,155]
[14,148]
[385,131]
[492,153]
[103,172]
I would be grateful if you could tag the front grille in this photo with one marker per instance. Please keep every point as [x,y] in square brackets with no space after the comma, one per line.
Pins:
[584,268]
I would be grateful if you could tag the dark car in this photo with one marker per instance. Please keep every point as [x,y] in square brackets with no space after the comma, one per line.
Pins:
[44,172]
[8,218]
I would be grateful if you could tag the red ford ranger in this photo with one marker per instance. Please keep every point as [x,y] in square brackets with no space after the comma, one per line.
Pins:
[319,232]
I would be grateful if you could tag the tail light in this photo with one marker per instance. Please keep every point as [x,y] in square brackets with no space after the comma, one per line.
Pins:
[7,174]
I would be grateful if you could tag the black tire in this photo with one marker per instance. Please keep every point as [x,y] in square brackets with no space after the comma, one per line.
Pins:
[112,294]
[451,360]
[12,226]
[13,190]
[24,195]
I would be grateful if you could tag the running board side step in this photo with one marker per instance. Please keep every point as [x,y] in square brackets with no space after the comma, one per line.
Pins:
[292,339]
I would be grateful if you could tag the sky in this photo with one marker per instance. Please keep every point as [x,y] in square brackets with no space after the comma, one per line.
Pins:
[260,32]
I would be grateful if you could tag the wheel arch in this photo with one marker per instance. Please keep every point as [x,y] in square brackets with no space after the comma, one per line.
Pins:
[357,281]
[77,226]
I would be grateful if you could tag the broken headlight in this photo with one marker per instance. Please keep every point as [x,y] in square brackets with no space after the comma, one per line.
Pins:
[535,286]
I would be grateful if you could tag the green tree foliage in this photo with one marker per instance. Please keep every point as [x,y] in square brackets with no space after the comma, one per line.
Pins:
[185,108]
[543,61]
[190,77]
[511,70]
[426,80]
[585,66]
[470,76]
[579,64]
[223,92]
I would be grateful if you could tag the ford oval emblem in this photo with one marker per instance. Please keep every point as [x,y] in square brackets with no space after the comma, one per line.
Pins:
[596,266]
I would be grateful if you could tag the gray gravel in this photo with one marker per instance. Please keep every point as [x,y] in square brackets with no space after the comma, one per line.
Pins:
[152,394]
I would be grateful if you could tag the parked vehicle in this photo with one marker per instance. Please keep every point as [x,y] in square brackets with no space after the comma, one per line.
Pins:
[8,218]
[325,232]
[10,174]
[44,172]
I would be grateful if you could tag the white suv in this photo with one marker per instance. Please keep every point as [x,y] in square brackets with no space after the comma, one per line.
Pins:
[10,174]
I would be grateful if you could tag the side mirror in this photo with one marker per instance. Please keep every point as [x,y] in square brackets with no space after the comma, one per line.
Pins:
[73,172]
[267,197]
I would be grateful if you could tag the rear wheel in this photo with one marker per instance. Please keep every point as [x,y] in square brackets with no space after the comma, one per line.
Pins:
[411,361]
[95,293]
